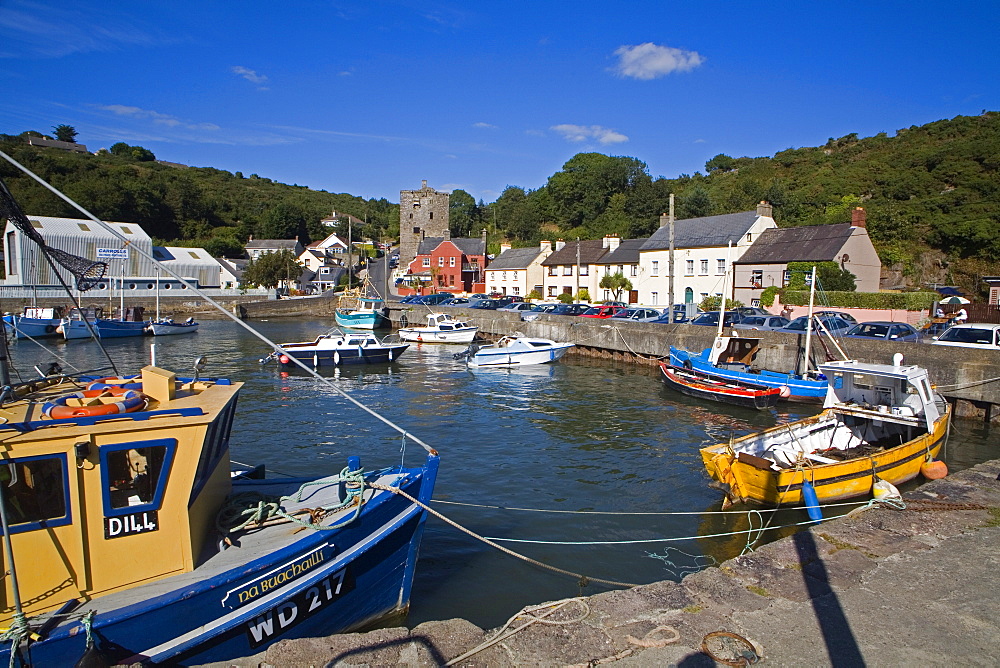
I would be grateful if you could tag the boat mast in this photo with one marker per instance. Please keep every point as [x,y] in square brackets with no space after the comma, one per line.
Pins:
[809,322]
[157,293]
[722,302]
[121,294]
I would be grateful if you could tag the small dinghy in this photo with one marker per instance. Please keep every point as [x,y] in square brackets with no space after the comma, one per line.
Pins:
[706,386]
[514,351]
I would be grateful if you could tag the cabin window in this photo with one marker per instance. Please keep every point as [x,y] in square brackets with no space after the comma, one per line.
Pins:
[134,474]
[35,491]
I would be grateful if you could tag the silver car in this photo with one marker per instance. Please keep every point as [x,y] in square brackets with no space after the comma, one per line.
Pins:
[637,314]
[766,323]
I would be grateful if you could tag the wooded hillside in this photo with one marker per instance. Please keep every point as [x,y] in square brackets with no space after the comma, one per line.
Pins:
[932,194]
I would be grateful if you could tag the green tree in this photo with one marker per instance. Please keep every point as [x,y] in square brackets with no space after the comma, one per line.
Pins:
[464,217]
[272,269]
[696,204]
[582,190]
[65,133]
[712,302]
[284,220]
[720,163]
[616,283]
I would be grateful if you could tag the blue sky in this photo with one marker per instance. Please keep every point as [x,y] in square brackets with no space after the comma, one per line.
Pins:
[369,98]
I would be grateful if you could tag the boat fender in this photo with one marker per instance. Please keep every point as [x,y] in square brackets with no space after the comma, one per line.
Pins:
[784,391]
[284,359]
[49,329]
[92,658]
[883,489]
[933,469]
[688,365]
[812,501]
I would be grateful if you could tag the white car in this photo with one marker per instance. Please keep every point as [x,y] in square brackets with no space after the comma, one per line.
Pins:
[971,335]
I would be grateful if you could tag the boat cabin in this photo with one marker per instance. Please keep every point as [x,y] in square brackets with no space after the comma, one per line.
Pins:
[890,393]
[734,352]
[100,500]
[444,322]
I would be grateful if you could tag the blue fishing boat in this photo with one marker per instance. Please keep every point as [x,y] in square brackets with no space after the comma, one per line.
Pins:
[35,322]
[366,313]
[732,358]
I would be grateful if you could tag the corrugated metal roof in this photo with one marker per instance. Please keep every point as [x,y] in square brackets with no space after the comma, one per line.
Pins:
[704,232]
[813,243]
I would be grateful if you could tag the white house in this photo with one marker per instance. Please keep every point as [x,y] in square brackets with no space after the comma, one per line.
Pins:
[257,247]
[622,258]
[518,271]
[703,250]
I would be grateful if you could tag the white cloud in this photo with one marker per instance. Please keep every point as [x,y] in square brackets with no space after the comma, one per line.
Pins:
[250,75]
[156,117]
[652,61]
[484,126]
[578,133]
[699,141]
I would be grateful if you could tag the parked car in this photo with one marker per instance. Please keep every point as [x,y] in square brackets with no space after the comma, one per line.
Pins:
[764,323]
[509,299]
[456,301]
[971,335]
[883,330]
[433,299]
[603,311]
[750,310]
[638,314]
[711,319]
[608,302]
[837,314]
[486,304]
[833,325]
[517,307]
[409,299]
[569,309]
[536,311]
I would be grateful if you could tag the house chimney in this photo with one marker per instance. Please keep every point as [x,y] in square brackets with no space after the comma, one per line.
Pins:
[560,244]
[664,219]
[504,248]
[611,242]
[858,217]
[764,209]
[423,184]
[545,246]
[483,236]
[447,235]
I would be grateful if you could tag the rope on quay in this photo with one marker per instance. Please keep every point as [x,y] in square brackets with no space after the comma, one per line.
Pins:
[964,386]
[618,512]
[639,355]
[583,579]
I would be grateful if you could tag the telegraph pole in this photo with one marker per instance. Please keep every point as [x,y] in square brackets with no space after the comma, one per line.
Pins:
[670,282]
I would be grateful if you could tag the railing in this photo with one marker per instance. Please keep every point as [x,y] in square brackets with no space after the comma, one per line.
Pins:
[56,292]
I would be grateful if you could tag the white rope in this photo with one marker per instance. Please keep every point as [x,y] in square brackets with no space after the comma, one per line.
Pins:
[274,346]
[615,512]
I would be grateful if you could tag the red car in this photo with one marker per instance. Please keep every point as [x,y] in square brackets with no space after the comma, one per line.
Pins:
[601,311]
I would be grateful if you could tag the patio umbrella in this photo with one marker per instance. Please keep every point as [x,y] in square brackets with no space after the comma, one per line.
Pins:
[954,300]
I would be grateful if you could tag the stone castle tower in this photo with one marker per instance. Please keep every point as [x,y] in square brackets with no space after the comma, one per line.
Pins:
[422,213]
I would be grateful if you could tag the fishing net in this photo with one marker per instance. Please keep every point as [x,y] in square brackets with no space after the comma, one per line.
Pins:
[87,272]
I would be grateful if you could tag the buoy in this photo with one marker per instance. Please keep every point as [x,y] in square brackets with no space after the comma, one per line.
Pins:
[883,489]
[283,359]
[784,391]
[933,469]
[812,501]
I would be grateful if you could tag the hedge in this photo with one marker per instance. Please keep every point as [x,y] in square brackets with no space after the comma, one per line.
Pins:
[907,301]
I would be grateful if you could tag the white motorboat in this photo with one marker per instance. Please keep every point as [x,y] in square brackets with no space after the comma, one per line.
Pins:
[441,328]
[167,326]
[515,351]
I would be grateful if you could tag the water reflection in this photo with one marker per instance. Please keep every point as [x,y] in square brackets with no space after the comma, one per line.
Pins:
[579,435]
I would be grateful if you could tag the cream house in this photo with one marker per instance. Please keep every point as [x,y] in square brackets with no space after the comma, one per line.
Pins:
[518,271]
[704,248]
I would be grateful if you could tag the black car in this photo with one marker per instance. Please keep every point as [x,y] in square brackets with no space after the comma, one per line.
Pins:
[711,319]
[486,304]
[569,309]
[508,300]
[434,299]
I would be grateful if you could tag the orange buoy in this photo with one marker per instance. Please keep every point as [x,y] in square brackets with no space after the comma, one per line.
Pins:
[933,469]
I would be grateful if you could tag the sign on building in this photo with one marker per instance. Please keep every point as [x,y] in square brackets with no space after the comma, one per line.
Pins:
[112,253]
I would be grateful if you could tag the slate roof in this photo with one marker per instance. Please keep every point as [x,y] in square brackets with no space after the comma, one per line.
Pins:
[515,258]
[473,246]
[272,244]
[626,253]
[704,232]
[812,243]
[591,252]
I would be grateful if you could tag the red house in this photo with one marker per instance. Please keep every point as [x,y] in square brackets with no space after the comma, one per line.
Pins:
[444,264]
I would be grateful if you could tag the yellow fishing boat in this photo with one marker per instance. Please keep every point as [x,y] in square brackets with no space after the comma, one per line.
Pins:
[879,421]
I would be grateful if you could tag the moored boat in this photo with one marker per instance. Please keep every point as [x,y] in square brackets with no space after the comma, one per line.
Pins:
[359,312]
[879,422]
[73,325]
[440,328]
[129,323]
[336,348]
[514,351]
[35,322]
[705,386]
[167,326]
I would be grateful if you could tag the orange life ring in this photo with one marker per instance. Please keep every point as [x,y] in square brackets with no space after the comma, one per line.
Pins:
[130,400]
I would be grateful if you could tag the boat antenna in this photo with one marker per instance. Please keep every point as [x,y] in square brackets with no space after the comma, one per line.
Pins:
[201,293]
[87,272]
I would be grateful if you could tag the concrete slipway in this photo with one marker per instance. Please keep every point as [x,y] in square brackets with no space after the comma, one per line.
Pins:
[881,587]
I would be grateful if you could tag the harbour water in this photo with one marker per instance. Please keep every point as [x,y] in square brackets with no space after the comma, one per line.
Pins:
[606,445]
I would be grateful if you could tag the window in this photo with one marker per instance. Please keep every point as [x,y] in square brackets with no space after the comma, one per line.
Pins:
[635,270]
[756,302]
[441,261]
[135,474]
[552,271]
[749,237]
[427,262]
[516,290]
[654,297]
[36,489]
[193,254]
[552,291]
[451,262]
[493,276]
[585,270]
[11,254]
[720,266]
[757,278]
[656,268]
[84,227]
[503,276]
[704,267]
[568,270]
[689,268]
[432,215]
